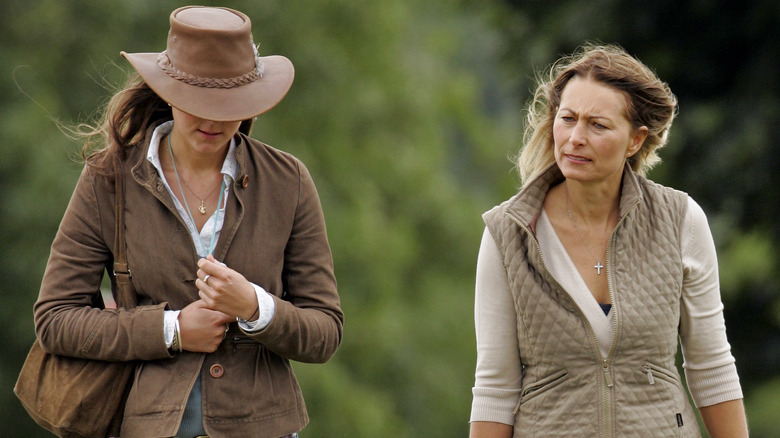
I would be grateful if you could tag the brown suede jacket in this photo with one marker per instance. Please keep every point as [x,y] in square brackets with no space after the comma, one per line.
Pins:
[274,234]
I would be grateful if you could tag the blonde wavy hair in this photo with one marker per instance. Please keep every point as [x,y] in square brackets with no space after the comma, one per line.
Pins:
[649,102]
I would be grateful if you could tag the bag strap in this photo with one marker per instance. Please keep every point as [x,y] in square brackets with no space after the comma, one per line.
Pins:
[125,296]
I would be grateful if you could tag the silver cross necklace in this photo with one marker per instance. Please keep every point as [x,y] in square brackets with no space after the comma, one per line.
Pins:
[598,266]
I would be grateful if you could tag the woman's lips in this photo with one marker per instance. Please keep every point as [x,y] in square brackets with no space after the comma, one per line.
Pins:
[209,134]
[577,158]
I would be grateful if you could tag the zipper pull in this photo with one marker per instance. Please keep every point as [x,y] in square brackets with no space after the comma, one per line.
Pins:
[650,378]
[517,406]
[607,375]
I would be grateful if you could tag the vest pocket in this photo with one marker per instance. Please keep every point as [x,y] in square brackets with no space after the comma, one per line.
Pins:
[541,386]
[665,393]
[654,372]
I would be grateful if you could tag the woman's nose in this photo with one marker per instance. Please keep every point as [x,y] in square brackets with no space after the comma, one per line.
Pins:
[579,134]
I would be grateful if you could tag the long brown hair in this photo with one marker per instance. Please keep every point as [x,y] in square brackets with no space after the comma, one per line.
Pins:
[649,102]
[123,124]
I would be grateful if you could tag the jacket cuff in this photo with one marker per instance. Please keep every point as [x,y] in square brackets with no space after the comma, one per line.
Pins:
[148,324]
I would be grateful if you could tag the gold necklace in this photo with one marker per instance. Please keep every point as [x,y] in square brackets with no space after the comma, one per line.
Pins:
[210,249]
[598,266]
[202,207]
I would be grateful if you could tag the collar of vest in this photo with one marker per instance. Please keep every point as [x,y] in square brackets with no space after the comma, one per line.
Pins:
[526,206]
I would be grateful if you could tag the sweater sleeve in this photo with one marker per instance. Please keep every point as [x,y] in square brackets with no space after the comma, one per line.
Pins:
[498,374]
[709,366]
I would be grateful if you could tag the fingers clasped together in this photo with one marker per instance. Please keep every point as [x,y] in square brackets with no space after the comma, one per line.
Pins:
[202,328]
[224,289]
[224,296]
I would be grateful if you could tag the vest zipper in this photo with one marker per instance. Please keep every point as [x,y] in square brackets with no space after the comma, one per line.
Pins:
[606,431]
[609,382]
[606,406]
[607,375]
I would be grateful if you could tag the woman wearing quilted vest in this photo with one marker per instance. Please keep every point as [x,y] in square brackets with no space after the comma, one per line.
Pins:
[587,278]
[225,236]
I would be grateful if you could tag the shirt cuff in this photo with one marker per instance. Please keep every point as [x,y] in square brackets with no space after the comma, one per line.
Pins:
[494,405]
[169,325]
[712,386]
[266,309]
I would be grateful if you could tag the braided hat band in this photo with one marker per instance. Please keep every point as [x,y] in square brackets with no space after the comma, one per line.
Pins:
[211,68]
[165,64]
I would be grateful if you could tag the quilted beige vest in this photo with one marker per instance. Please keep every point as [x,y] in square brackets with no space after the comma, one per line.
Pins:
[569,389]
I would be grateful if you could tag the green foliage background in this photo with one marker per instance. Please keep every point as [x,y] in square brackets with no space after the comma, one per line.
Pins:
[406,113]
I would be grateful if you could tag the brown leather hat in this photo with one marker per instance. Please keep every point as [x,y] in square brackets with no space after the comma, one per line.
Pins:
[211,68]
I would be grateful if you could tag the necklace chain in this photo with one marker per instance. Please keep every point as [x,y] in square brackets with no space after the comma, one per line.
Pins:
[210,248]
[598,266]
[202,206]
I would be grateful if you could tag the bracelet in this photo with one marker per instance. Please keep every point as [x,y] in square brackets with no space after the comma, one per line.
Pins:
[176,344]
[256,312]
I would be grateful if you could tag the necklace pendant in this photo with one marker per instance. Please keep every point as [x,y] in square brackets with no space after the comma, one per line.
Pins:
[202,208]
[598,267]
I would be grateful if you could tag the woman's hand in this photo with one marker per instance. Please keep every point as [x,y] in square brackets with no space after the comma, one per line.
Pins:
[225,290]
[202,328]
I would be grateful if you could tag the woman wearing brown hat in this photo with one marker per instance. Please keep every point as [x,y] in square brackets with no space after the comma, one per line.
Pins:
[225,237]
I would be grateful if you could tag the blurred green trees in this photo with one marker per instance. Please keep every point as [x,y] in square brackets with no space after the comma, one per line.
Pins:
[406,112]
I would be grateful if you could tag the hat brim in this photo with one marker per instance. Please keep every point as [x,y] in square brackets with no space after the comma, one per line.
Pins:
[218,104]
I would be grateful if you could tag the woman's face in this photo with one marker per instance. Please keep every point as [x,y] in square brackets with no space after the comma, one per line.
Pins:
[591,133]
[200,135]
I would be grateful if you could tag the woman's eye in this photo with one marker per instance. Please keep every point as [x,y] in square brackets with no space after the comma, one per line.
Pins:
[599,125]
[567,118]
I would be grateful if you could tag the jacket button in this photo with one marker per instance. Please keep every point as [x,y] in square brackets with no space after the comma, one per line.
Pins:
[245,181]
[216,371]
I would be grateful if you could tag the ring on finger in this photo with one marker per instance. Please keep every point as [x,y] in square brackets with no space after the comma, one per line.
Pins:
[206,278]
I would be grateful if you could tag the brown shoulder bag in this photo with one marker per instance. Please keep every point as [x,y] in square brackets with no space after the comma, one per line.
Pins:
[73,397]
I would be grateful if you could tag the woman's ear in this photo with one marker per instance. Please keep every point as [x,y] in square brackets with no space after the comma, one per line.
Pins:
[637,140]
